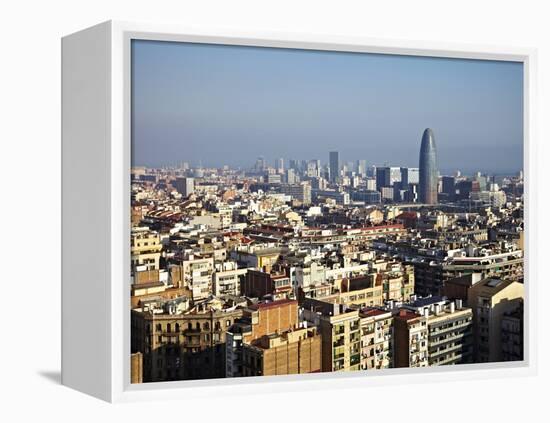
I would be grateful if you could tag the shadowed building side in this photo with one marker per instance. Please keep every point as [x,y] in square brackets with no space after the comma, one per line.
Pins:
[428,169]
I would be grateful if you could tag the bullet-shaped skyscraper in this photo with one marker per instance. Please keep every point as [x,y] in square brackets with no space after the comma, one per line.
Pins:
[428,169]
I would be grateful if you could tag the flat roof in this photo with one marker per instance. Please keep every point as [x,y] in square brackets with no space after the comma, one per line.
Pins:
[272,304]
[425,301]
[405,314]
[369,312]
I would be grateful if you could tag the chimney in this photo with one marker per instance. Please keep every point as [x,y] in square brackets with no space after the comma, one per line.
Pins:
[452,307]
[458,304]
[437,308]
[426,311]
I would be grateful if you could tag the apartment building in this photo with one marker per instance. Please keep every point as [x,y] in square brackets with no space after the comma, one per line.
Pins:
[145,249]
[410,339]
[450,334]
[376,338]
[341,339]
[256,257]
[291,352]
[181,346]
[300,192]
[450,329]
[197,275]
[490,299]
[431,275]
[512,335]
[503,265]
[228,278]
[398,284]
[258,321]
[362,291]
[373,289]
[275,284]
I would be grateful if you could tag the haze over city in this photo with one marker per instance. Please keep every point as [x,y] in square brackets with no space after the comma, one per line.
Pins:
[228,105]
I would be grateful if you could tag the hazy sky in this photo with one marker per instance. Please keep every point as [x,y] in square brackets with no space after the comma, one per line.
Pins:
[229,105]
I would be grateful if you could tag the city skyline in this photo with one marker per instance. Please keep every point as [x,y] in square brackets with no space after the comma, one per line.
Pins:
[270,163]
[202,103]
[326,164]
[302,257]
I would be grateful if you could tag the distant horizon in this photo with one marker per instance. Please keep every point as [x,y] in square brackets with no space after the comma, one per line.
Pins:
[442,172]
[228,105]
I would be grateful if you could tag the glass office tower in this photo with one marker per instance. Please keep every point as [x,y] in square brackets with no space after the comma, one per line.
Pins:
[428,169]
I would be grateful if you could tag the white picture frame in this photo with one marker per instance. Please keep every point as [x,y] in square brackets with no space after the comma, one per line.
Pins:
[96,204]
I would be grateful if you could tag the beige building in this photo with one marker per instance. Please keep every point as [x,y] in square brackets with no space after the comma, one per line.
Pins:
[291,352]
[490,299]
[145,249]
[375,216]
[361,292]
[181,346]
[388,282]
[258,258]
[260,323]
[136,368]
[341,340]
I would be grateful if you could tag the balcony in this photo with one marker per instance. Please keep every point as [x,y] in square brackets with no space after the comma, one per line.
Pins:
[451,359]
[339,330]
[449,349]
[193,342]
[338,343]
[450,337]
[355,359]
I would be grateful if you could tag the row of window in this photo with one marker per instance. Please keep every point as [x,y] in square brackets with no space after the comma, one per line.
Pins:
[190,326]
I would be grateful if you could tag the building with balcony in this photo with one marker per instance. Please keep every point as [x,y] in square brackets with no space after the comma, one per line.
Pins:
[181,346]
[197,275]
[376,338]
[227,278]
[410,339]
[450,329]
[502,265]
[341,338]
[450,334]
